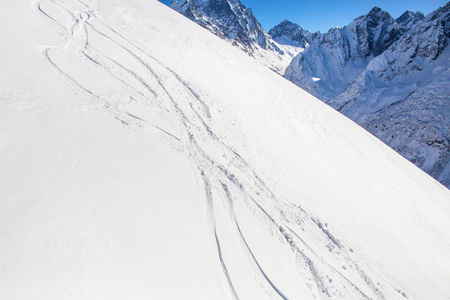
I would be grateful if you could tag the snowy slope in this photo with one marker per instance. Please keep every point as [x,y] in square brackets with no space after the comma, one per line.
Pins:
[144,158]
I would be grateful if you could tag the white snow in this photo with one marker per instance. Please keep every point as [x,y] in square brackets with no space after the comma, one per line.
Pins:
[144,158]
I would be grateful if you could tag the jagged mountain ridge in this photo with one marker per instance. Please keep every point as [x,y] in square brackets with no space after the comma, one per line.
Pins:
[232,21]
[342,53]
[229,19]
[393,64]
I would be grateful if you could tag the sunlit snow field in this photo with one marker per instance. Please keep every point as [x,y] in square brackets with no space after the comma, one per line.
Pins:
[144,158]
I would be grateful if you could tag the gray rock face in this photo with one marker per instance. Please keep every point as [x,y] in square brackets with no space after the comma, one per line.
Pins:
[408,19]
[375,32]
[391,77]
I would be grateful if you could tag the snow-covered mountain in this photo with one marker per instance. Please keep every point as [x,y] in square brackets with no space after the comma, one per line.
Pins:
[378,71]
[232,21]
[288,33]
[334,58]
[144,158]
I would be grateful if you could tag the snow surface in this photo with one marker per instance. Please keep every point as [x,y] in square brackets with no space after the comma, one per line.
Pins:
[144,158]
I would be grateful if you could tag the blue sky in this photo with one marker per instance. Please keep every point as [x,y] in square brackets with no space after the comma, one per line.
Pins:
[321,15]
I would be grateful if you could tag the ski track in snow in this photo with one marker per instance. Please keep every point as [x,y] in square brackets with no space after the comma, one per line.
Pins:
[155,86]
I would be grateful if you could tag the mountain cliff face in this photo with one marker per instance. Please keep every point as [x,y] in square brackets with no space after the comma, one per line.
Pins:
[390,76]
[232,21]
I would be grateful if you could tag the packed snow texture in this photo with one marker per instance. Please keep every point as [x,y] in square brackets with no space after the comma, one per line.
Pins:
[144,158]
[381,72]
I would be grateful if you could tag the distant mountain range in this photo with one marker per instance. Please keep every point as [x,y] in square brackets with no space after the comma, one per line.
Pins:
[235,23]
[388,75]
[391,77]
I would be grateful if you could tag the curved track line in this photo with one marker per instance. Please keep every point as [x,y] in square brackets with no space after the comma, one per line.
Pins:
[211,218]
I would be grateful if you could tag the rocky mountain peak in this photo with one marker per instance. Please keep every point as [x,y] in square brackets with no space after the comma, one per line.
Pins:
[375,11]
[228,19]
[376,31]
[292,32]
[376,15]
